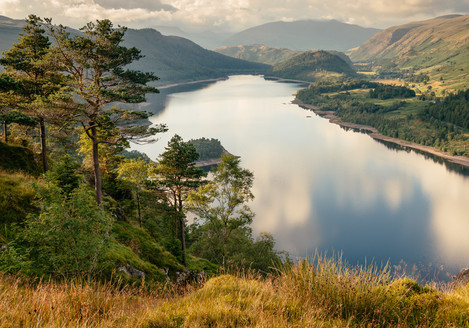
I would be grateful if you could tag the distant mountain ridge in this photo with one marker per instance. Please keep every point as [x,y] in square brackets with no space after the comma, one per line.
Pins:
[259,53]
[438,47]
[173,59]
[304,35]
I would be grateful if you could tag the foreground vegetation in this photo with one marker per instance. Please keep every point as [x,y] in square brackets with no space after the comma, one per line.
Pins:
[55,107]
[397,112]
[322,293]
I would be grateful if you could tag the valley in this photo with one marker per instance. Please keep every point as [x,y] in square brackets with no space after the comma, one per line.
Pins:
[344,204]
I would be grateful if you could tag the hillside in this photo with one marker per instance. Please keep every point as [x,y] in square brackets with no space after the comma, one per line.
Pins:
[304,35]
[259,53]
[173,59]
[437,47]
[9,30]
[312,66]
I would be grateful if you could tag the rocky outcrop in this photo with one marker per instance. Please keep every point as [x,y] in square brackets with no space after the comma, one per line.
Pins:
[130,271]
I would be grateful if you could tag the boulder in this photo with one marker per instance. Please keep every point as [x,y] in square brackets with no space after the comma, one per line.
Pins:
[130,271]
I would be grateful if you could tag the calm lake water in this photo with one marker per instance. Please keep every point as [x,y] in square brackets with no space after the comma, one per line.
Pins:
[320,187]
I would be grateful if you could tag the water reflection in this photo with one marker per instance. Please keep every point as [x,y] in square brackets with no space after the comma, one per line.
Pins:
[318,186]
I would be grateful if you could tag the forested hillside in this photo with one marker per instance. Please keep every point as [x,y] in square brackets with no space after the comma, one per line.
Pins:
[259,53]
[313,66]
[74,204]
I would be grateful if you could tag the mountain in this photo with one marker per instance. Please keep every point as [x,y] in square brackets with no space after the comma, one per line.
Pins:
[9,30]
[437,47]
[173,59]
[304,35]
[313,66]
[259,53]
[206,39]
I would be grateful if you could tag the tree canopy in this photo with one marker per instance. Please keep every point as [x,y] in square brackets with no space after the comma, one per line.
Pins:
[95,63]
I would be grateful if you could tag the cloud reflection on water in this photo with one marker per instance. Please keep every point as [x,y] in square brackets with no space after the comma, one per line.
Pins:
[319,186]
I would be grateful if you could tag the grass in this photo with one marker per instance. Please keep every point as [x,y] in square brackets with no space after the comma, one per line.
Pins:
[324,292]
[16,196]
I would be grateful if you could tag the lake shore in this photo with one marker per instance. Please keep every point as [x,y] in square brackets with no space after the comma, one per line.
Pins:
[167,86]
[373,132]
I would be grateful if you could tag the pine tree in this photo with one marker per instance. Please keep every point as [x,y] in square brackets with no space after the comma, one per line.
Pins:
[95,63]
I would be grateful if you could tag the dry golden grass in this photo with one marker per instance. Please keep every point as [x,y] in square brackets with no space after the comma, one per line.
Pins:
[73,304]
[322,293]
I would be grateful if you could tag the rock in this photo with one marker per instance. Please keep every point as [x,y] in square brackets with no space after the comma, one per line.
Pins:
[118,214]
[461,279]
[190,277]
[130,271]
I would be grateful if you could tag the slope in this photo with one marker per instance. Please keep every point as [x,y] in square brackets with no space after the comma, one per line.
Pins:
[313,66]
[259,53]
[437,47]
[173,59]
[304,35]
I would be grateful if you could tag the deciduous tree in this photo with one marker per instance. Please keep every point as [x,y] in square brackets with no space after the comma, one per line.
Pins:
[135,171]
[177,176]
[222,203]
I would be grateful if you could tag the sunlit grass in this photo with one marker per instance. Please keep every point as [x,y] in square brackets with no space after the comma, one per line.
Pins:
[322,292]
[73,304]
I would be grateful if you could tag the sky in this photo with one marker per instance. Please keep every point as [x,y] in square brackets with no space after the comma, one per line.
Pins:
[231,15]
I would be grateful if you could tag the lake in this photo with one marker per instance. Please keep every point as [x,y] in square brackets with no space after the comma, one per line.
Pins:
[320,187]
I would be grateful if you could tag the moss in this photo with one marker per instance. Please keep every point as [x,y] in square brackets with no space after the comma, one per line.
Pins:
[18,158]
[120,255]
[16,197]
[198,264]
[145,246]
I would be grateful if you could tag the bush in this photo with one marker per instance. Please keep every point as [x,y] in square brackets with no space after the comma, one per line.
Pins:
[69,238]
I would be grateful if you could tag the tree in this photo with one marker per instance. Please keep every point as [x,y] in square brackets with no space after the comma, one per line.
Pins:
[135,171]
[222,203]
[177,176]
[8,101]
[94,62]
[28,62]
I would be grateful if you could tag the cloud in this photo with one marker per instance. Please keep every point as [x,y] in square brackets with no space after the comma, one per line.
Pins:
[151,5]
[232,14]
[76,13]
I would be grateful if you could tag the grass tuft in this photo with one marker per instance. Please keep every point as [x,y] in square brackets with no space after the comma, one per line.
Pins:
[322,292]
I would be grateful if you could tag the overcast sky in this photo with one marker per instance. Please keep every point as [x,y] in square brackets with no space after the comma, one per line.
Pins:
[231,15]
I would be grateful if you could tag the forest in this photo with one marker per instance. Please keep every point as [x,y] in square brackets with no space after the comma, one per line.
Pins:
[395,111]
[76,203]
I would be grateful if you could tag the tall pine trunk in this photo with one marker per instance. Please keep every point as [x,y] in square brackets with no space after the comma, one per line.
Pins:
[42,134]
[183,239]
[97,171]
[5,131]
[139,211]
[182,226]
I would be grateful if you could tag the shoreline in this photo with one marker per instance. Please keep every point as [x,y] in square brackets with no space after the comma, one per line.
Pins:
[269,78]
[373,133]
[213,161]
[167,86]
